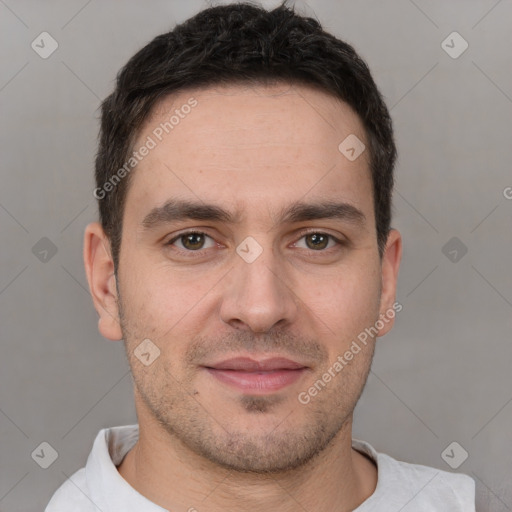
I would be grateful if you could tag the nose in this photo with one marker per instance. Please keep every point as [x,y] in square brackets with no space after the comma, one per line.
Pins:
[257,296]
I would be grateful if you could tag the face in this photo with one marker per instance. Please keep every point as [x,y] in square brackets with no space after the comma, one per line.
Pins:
[249,259]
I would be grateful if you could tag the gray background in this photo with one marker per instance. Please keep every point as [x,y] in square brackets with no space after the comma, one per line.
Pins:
[442,375]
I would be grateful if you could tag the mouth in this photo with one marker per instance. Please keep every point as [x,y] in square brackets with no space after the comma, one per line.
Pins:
[257,376]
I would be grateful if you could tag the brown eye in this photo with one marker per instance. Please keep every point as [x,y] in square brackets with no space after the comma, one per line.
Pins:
[320,242]
[317,241]
[191,241]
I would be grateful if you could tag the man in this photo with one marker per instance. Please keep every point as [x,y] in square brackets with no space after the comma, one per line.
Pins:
[244,254]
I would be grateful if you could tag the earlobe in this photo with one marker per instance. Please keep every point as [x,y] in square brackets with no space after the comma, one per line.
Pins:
[390,267]
[99,268]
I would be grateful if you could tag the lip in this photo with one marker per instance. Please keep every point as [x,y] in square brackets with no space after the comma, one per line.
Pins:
[257,376]
[252,365]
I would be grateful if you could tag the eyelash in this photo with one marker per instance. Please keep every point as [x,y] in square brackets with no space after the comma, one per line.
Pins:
[200,252]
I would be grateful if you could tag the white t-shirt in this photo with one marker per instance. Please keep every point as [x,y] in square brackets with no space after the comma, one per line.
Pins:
[400,486]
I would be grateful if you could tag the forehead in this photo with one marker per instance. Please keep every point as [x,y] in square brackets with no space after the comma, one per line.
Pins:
[232,143]
[281,114]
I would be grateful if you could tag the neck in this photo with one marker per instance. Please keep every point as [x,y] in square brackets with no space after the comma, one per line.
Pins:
[174,477]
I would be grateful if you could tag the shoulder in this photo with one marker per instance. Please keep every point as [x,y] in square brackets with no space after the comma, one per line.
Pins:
[431,487]
[418,488]
[98,485]
[72,495]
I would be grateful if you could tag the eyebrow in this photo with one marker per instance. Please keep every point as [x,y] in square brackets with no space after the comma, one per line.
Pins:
[176,210]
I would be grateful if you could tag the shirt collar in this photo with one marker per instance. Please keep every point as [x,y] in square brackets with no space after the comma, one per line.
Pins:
[108,489]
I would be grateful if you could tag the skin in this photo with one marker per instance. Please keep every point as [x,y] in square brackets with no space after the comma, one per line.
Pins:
[204,444]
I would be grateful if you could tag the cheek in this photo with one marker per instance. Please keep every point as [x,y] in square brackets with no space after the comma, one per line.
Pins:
[159,301]
[348,301]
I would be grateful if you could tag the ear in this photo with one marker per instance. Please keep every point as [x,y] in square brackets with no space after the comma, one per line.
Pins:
[99,267]
[389,270]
